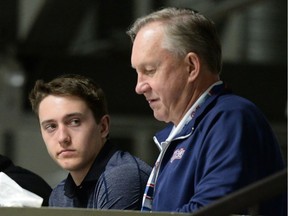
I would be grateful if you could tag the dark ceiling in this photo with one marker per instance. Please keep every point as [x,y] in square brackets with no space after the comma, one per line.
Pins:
[55,45]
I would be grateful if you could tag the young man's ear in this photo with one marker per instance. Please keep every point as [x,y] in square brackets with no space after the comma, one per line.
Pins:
[104,124]
[193,63]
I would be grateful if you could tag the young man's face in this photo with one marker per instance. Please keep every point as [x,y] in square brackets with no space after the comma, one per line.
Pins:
[70,132]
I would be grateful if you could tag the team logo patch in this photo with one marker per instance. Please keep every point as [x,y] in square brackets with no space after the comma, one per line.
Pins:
[177,155]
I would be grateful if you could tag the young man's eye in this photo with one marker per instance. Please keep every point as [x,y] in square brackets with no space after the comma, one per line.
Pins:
[50,127]
[74,122]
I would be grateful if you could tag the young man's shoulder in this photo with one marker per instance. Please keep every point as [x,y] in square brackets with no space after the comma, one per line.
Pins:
[122,160]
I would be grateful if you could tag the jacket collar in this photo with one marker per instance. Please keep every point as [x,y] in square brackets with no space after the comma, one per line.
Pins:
[216,91]
[95,171]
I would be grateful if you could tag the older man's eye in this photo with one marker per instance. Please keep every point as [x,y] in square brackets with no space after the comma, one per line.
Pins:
[149,71]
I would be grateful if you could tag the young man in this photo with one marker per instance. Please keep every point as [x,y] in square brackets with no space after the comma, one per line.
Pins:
[216,142]
[74,122]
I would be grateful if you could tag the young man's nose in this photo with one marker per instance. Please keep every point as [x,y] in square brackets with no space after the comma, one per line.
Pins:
[63,136]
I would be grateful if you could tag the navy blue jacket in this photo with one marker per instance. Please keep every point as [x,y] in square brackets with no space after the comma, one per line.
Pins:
[226,146]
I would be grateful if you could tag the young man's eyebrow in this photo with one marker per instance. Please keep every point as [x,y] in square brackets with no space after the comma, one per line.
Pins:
[65,117]
[73,114]
[46,122]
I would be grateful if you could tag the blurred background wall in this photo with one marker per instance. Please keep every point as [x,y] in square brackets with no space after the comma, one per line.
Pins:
[40,39]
